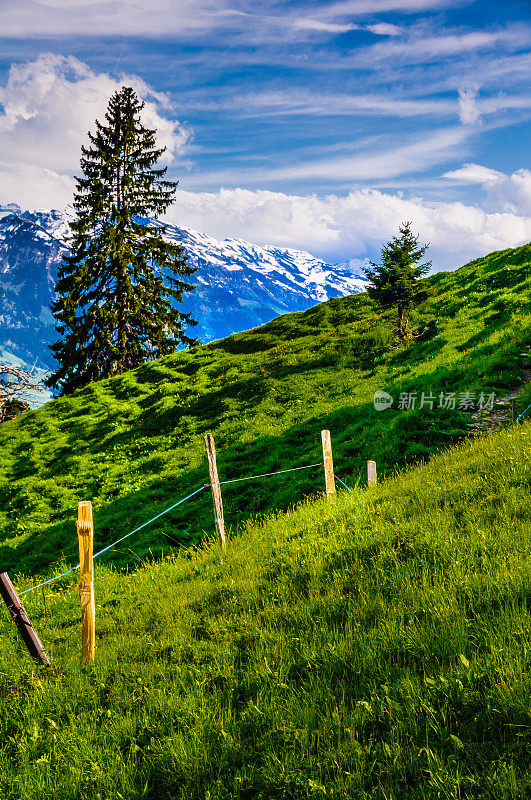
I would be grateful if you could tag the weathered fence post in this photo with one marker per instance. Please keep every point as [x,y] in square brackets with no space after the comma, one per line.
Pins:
[216,488]
[328,462]
[85,534]
[372,478]
[22,621]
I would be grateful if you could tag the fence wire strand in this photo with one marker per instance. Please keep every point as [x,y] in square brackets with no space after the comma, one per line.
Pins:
[110,546]
[267,474]
[170,508]
[520,417]
[342,484]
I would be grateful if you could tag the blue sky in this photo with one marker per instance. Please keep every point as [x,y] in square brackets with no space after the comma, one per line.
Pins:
[314,125]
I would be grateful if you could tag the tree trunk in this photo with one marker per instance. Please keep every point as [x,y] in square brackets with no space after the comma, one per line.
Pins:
[400,326]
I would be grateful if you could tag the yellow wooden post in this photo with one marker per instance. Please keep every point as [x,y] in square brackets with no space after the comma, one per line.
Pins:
[216,488]
[328,462]
[372,478]
[85,535]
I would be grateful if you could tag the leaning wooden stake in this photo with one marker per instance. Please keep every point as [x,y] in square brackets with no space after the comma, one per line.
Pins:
[328,462]
[216,488]
[22,621]
[85,534]
[372,478]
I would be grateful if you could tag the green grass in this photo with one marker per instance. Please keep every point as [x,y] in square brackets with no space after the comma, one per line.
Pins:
[134,445]
[377,646]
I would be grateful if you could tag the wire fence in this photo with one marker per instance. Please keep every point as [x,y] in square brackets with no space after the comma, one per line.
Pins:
[166,511]
[86,537]
[189,497]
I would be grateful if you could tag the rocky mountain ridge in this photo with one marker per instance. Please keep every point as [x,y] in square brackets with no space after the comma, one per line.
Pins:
[239,285]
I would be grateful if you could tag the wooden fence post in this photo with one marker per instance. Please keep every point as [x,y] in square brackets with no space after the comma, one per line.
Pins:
[328,462]
[22,621]
[216,488]
[85,534]
[372,478]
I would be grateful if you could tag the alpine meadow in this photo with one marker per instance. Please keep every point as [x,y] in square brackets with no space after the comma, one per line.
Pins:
[371,645]
[265,400]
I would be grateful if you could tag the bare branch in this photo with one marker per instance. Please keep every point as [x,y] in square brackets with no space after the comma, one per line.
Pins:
[16,387]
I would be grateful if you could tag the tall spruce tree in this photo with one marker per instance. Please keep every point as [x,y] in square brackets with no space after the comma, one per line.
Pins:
[115,288]
[395,282]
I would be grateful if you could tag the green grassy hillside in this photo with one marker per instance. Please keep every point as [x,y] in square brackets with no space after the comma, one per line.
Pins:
[374,647]
[134,445]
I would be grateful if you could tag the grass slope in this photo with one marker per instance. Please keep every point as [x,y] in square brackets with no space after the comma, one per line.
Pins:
[134,445]
[375,647]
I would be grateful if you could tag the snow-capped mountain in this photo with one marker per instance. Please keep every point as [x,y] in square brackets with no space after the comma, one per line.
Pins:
[239,285]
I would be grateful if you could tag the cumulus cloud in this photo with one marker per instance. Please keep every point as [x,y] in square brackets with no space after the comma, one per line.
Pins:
[513,191]
[32,186]
[337,228]
[352,226]
[48,106]
[468,110]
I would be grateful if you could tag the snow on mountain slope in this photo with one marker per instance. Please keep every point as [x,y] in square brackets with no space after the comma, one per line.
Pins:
[239,285]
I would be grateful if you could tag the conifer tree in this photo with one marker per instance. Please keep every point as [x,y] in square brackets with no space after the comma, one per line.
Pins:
[115,288]
[395,282]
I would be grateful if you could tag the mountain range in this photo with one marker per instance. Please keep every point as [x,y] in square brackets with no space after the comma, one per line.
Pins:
[239,285]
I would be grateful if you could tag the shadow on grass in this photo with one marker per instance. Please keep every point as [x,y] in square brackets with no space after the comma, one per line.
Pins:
[394,439]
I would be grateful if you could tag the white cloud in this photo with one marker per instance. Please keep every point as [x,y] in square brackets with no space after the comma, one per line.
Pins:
[376,159]
[48,106]
[183,19]
[322,26]
[365,7]
[419,47]
[413,156]
[468,109]
[50,18]
[334,227]
[384,29]
[31,186]
[303,24]
[513,191]
[304,101]
[473,173]
[358,224]
[398,104]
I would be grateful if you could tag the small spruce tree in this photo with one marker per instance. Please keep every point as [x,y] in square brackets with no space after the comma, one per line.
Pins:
[395,282]
[115,288]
